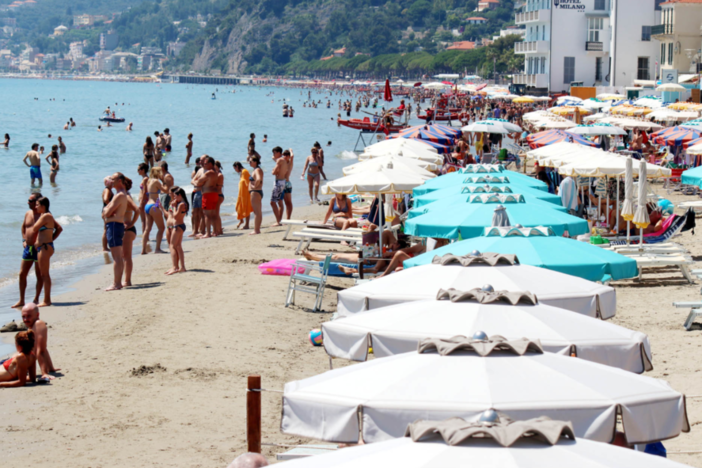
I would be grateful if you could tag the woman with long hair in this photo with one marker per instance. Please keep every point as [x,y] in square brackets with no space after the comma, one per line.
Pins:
[53,160]
[149,151]
[47,230]
[313,174]
[131,215]
[256,192]
[243,200]
[341,212]
[176,228]
[143,171]
[153,209]
[13,371]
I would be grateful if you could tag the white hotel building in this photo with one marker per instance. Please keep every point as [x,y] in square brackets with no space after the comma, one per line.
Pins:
[596,42]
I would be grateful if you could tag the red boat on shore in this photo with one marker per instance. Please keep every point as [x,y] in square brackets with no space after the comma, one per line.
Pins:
[441,115]
[367,125]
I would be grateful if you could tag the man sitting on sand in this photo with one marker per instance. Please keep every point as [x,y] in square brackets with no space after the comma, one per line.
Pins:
[249,460]
[30,317]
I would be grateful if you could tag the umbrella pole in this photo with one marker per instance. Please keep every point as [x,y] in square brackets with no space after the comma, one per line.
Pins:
[607,211]
[381,222]
[617,212]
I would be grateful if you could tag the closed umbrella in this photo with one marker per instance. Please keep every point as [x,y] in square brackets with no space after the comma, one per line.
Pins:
[628,207]
[481,453]
[500,218]
[379,398]
[641,218]
[399,329]
[423,283]
[387,94]
[541,248]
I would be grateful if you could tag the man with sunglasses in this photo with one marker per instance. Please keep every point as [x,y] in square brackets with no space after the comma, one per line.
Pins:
[30,253]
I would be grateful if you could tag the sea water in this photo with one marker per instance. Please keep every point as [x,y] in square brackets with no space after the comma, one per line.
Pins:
[31,110]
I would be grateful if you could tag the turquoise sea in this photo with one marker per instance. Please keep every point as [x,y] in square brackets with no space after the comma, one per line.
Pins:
[30,110]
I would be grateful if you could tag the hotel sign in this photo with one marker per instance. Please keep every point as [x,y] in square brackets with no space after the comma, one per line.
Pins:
[575,5]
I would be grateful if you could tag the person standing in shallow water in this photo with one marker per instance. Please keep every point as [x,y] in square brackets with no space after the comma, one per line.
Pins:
[34,164]
[189,148]
[29,254]
[48,230]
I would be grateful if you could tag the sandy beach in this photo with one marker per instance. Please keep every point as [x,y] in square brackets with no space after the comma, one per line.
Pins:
[155,375]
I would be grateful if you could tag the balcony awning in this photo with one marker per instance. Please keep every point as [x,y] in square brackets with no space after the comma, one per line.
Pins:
[601,14]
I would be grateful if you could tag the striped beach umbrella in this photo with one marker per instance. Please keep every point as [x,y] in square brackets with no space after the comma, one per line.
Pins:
[434,133]
[549,137]
[676,136]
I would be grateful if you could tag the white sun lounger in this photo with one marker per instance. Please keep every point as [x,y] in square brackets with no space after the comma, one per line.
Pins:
[650,260]
[695,311]
[290,223]
[306,237]
[667,248]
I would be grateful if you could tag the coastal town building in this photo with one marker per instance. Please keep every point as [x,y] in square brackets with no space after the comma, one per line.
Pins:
[487,5]
[75,50]
[109,40]
[476,20]
[678,34]
[593,42]
[87,20]
[174,48]
[60,30]
[462,45]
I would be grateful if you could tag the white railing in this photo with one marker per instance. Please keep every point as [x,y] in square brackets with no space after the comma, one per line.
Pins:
[539,80]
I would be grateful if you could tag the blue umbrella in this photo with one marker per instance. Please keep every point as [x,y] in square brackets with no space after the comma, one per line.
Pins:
[470,219]
[459,178]
[452,191]
[542,248]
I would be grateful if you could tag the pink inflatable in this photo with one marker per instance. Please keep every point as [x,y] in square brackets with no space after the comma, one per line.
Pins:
[280,267]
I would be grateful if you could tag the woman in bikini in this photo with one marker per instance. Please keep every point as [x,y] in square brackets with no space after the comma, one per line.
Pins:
[48,230]
[176,228]
[154,187]
[256,192]
[320,159]
[313,174]
[220,185]
[341,211]
[149,151]
[143,171]
[131,215]
[13,371]
[53,160]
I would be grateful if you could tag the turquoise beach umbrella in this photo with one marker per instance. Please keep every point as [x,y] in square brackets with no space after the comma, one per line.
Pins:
[470,219]
[690,177]
[542,248]
[457,178]
[454,201]
[452,191]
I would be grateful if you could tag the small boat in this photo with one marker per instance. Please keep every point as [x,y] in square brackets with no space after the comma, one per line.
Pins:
[441,116]
[367,125]
[111,119]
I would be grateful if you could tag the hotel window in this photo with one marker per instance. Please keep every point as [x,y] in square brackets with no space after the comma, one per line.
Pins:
[670,53]
[599,4]
[543,65]
[662,54]
[642,69]
[568,70]
[598,68]
[646,33]
[594,27]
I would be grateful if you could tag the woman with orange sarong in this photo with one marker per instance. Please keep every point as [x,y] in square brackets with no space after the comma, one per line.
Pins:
[243,200]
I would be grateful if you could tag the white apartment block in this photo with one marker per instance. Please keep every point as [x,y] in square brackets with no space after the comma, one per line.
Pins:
[595,42]
[679,35]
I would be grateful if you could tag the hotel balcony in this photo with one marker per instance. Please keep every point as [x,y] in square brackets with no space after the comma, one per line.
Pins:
[534,81]
[531,47]
[662,30]
[532,17]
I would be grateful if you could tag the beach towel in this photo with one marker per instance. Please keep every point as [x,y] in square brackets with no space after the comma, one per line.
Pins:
[243,200]
[569,194]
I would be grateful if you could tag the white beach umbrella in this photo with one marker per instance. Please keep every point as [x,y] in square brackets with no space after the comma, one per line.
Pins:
[481,453]
[597,129]
[695,150]
[381,180]
[399,162]
[641,218]
[492,126]
[399,329]
[409,153]
[568,98]
[671,87]
[379,398]
[628,207]
[435,85]
[551,124]
[448,76]
[396,144]
[610,96]
[423,283]
[650,102]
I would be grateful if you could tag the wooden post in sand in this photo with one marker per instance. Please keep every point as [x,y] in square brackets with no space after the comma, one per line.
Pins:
[253,414]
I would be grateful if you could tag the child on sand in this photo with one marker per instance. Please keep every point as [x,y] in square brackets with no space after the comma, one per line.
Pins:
[176,228]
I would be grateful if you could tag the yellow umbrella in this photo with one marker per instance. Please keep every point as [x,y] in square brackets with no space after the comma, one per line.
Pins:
[567,110]
[523,99]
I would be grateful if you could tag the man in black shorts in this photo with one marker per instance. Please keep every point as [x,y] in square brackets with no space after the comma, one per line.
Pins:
[29,254]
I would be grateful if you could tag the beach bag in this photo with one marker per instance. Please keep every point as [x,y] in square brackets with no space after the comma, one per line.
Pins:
[280,267]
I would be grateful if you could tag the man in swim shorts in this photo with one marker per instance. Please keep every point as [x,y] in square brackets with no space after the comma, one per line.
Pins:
[167,137]
[279,172]
[34,164]
[29,254]
[30,317]
[196,201]
[113,214]
[287,194]
[207,179]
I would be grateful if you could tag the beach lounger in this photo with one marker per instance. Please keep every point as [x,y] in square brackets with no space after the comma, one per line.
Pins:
[302,280]
[667,248]
[650,260]
[306,237]
[695,311]
[290,223]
